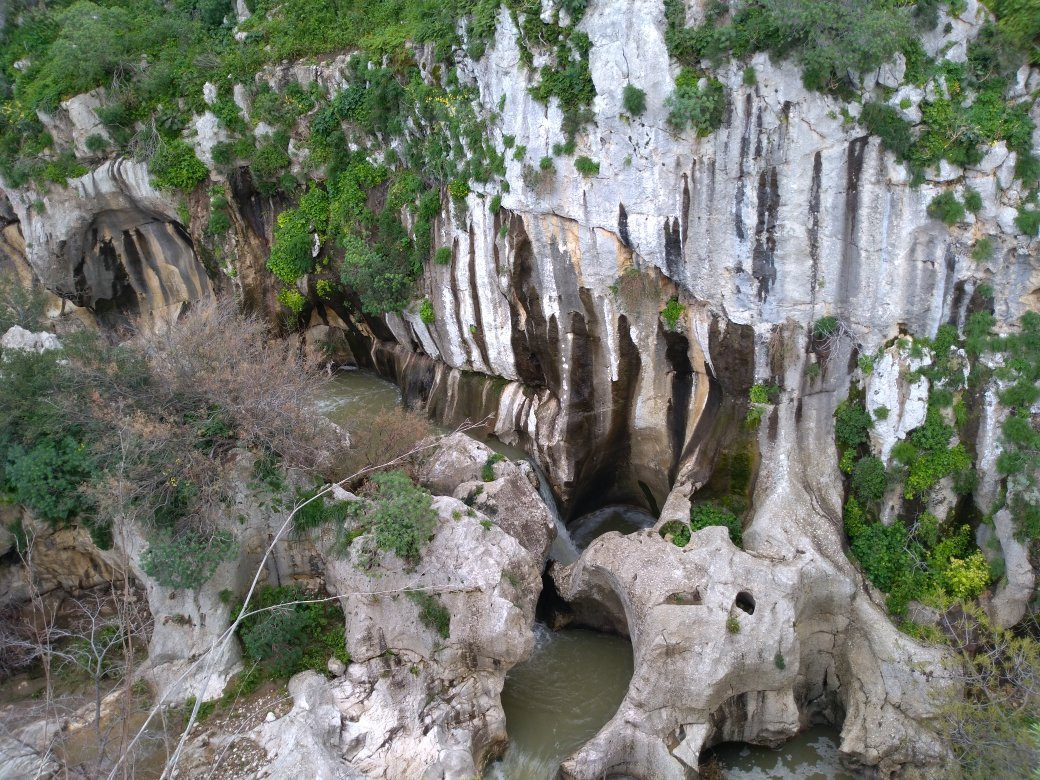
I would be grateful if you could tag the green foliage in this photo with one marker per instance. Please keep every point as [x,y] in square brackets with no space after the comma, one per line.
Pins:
[1028,221]
[827,39]
[851,423]
[187,560]
[750,77]
[175,166]
[46,476]
[487,471]
[634,100]
[432,612]
[293,300]
[443,256]
[881,413]
[762,393]
[546,164]
[946,208]
[291,630]
[966,578]
[401,515]
[458,189]
[678,533]
[732,625]
[671,313]
[586,166]
[869,479]
[779,662]
[865,363]
[972,200]
[887,123]
[426,312]
[691,105]
[983,250]
[317,511]
[704,515]
[825,327]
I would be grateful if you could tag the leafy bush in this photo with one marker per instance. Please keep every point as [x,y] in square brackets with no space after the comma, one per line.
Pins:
[586,166]
[443,256]
[946,208]
[676,532]
[851,423]
[293,300]
[983,250]
[972,200]
[690,105]
[187,560]
[175,166]
[432,613]
[426,312]
[825,327]
[869,479]
[887,123]
[966,578]
[487,471]
[732,625]
[1028,221]
[286,636]
[46,476]
[401,515]
[704,515]
[671,313]
[761,393]
[546,164]
[634,100]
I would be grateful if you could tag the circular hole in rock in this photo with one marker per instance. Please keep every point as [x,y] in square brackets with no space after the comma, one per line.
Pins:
[746,602]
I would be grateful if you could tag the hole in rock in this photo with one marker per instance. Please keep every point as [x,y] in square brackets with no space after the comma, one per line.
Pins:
[746,602]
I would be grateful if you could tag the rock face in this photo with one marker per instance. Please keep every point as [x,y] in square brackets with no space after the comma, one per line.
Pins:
[755,645]
[111,242]
[420,700]
[18,338]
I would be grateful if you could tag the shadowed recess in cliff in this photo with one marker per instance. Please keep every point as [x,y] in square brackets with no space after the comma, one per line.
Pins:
[606,474]
[534,340]
[448,395]
[763,267]
[677,353]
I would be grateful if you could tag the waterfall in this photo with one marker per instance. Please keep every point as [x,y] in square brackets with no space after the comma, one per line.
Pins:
[563,548]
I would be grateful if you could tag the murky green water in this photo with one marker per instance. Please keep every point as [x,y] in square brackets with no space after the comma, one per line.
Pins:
[616,517]
[359,392]
[812,755]
[559,698]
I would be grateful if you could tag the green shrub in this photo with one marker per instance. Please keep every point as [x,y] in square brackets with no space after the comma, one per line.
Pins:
[881,413]
[946,208]
[972,200]
[634,100]
[187,560]
[983,250]
[750,77]
[825,327]
[496,204]
[586,166]
[175,166]
[704,515]
[732,625]
[851,423]
[292,630]
[293,300]
[443,256]
[487,472]
[779,662]
[887,123]
[1028,221]
[458,189]
[432,613]
[401,516]
[690,105]
[676,532]
[46,477]
[546,164]
[426,312]
[97,144]
[671,313]
[869,479]
[762,393]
